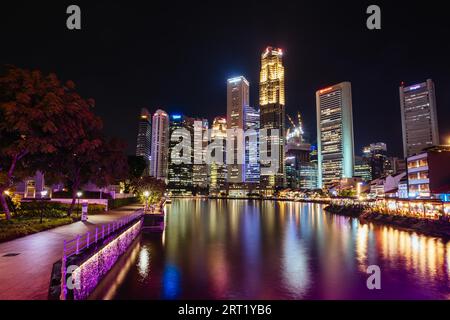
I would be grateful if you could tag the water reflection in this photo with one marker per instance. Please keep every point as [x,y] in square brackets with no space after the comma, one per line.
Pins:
[268,250]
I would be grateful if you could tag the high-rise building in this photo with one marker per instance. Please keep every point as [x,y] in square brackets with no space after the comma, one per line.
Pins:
[200,168]
[143,145]
[375,155]
[301,173]
[160,145]
[272,114]
[419,117]
[363,169]
[218,170]
[335,133]
[251,137]
[238,98]
[180,164]
[308,176]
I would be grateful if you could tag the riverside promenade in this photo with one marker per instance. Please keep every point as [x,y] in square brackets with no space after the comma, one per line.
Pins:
[26,263]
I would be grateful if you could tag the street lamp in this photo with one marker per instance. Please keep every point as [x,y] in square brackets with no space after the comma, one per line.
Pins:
[79,194]
[358,190]
[44,194]
[146,195]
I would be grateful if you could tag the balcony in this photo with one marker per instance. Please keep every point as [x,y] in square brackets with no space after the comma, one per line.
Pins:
[418,181]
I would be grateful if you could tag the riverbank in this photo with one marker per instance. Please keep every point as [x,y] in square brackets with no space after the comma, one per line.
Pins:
[40,251]
[272,199]
[435,228]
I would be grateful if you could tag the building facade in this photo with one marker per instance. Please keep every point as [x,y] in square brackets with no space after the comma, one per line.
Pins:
[180,181]
[251,141]
[375,155]
[419,117]
[335,142]
[218,169]
[160,145]
[238,99]
[429,173]
[143,145]
[272,115]
[200,143]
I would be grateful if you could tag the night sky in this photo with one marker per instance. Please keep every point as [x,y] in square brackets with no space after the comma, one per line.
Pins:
[178,56]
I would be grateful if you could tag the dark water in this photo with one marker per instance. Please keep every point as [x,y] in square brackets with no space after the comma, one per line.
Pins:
[267,250]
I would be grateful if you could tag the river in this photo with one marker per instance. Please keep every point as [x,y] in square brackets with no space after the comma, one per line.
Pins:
[248,249]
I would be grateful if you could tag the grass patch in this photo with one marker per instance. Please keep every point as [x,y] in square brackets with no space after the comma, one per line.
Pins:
[20,227]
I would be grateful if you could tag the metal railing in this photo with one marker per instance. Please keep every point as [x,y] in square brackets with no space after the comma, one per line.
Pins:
[84,241]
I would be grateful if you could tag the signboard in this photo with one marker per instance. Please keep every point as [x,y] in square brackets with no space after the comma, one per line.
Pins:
[84,211]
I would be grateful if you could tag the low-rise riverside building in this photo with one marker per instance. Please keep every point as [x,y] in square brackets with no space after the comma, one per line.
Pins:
[429,174]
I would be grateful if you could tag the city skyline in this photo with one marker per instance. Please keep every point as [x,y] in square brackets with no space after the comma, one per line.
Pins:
[117,70]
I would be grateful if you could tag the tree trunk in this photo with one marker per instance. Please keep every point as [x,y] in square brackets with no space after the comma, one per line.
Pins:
[72,204]
[4,204]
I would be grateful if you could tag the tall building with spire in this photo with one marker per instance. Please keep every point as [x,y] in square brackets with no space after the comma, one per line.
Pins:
[419,117]
[272,113]
[143,145]
[160,145]
[335,141]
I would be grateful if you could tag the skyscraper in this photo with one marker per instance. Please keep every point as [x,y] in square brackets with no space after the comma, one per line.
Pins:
[375,155]
[180,165]
[251,138]
[200,168]
[335,133]
[143,145]
[238,99]
[301,173]
[218,170]
[272,112]
[160,145]
[419,117]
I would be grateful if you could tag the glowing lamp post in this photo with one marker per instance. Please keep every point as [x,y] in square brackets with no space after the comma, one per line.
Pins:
[146,195]
[44,194]
[358,190]
[79,194]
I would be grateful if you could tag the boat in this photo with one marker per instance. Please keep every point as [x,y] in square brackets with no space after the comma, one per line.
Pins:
[168,201]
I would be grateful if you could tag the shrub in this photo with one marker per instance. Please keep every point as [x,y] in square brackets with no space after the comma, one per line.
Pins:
[116,203]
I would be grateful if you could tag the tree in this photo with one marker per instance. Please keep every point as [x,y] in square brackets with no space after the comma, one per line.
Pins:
[31,106]
[155,188]
[102,162]
[137,166]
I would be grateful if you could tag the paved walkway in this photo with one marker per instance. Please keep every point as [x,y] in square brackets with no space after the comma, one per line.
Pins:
[27,275]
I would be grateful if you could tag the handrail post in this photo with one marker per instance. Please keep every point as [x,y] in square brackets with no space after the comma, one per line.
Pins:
[103,231]
[109,229]
[63,274]
[88,235]
[78,244]
[96,234]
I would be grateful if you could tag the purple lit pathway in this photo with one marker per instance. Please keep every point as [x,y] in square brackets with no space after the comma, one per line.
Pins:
[27,275]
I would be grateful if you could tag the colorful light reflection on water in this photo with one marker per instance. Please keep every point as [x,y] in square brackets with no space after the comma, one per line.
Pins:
[238,249]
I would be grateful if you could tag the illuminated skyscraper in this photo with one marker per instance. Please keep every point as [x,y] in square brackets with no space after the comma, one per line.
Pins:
[251,127]
[272,112]
[180,165]
[160,145]
[143,145]
[419,117]
[335,133]
[237,101]
[218,170]
[200,168]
